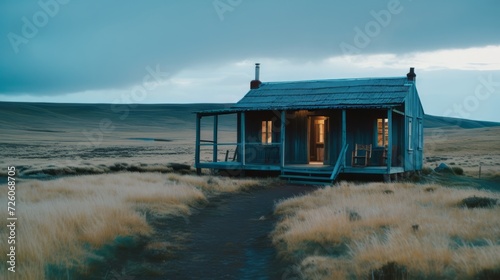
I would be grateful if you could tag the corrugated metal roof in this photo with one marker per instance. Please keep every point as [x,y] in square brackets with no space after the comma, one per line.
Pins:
[365,93]
[324,94]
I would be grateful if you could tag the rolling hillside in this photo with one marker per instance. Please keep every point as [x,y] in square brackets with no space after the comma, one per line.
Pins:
[43,138]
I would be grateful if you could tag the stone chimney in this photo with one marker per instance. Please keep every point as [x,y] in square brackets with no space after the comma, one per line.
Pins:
[256,83]
[411,75]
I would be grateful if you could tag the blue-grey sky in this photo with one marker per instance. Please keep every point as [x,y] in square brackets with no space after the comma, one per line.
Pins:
[157,51]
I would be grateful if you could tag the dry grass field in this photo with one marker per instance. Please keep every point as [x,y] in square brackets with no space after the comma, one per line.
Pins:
[61,222]
[413,231]
[402,230]
[465,148]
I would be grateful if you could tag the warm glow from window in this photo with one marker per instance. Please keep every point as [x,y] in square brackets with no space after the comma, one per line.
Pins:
[382,132]
[267,135]
[320,131]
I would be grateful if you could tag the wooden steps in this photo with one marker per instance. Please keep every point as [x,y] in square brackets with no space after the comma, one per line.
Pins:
[310,176]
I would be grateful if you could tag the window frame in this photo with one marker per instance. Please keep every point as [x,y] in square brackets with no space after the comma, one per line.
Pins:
[266,132]
[410,134]
[385,132]
[420,134]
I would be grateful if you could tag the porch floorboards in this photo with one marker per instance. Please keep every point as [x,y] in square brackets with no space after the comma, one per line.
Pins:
[298,167]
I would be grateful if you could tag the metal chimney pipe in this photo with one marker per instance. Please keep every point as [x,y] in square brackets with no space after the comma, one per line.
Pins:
[255,84]
[257,71]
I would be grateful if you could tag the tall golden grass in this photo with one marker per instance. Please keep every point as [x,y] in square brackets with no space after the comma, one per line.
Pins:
[350,231]
[465,148]
[61,222]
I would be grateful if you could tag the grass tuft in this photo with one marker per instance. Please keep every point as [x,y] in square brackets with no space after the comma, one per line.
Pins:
[427,170]
[390,271]
[478,202]
[457,170]
[214,184]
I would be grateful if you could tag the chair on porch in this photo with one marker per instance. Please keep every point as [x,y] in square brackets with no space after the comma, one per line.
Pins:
[234,156]
[361,154]
[385,155]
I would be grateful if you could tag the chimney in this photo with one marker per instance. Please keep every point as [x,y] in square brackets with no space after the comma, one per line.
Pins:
[256,83]
[411,76]
[257,71]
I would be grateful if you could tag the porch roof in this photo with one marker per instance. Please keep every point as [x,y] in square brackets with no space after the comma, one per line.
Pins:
[324,94]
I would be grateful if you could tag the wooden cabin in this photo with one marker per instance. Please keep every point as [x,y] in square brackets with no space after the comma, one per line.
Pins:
[312,131]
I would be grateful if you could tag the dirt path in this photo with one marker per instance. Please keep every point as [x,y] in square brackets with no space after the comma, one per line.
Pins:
[229,239]
[226,239]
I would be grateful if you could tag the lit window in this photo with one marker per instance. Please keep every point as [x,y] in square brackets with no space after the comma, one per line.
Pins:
[382,132]
[267,135]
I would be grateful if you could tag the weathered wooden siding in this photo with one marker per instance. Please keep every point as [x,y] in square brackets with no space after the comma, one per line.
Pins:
[335,136]
[296,138]
[414,113]
[363,101]
[362,129]
[255,151]
[398,128]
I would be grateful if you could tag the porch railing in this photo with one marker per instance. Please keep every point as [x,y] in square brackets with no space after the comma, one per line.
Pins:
[340,163]
[255,152]
[211,151]
[265,154]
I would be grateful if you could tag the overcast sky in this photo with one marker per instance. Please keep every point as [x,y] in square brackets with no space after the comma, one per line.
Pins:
[158,51]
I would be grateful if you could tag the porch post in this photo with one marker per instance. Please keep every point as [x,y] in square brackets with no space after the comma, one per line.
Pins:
[216,129]
[344,131]
[282,140]
[242,143]
[389,141]
[197,147]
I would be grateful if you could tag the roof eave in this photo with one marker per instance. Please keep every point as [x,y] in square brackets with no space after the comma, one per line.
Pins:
[296,108]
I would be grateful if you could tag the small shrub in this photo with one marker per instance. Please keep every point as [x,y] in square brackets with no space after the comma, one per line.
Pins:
[489,274]
[457,170]
[430,189]
[390,271]
[478,202]
[354,216]
[414,227]
[444,169]
[427,170]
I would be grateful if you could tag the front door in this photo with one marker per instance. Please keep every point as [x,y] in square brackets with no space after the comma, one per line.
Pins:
[317,139]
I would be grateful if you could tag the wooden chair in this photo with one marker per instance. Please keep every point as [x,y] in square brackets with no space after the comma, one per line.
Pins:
[384,156]
[234,156]
[362,153]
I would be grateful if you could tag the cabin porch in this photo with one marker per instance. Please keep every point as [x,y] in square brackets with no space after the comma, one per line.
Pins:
[301,143]
[306,168]
[303,173]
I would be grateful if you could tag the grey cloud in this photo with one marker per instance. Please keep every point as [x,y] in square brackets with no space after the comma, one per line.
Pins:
[90,45]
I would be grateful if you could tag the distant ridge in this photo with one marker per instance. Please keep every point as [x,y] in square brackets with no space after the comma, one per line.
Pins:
[436,122]
[51,117]
[430,121]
